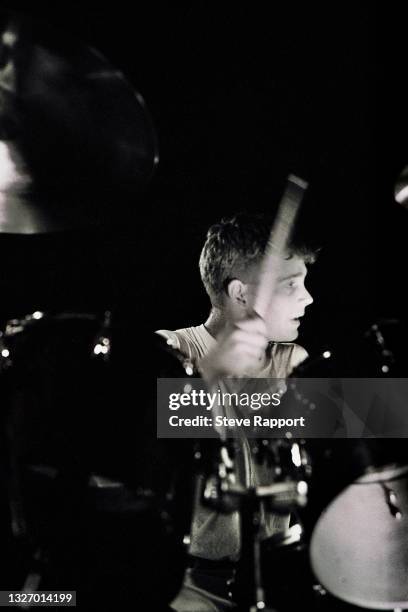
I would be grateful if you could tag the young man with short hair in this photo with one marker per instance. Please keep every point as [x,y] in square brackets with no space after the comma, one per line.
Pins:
[236,342]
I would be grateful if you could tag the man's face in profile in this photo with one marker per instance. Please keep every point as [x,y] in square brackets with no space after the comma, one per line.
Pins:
[288,300]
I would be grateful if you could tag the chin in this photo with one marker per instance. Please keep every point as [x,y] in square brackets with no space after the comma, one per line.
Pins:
[289,336]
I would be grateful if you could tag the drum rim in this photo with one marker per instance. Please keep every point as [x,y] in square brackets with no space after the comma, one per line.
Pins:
[385,473]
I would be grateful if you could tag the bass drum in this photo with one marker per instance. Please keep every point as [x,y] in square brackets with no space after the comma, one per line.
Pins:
[95,502]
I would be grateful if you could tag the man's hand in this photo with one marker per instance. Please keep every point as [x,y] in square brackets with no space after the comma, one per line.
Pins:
[240,351]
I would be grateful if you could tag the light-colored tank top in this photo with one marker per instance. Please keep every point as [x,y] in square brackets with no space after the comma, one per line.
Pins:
[214,535]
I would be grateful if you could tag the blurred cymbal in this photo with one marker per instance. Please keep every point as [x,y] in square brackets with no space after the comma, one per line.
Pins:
[77,143]
[359,547]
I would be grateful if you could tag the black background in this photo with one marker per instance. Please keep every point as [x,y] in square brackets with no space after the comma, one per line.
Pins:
[240,97]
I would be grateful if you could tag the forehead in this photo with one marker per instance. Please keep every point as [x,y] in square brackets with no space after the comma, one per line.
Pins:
[294,266]
[281,268]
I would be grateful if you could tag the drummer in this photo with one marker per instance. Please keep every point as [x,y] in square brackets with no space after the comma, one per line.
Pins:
[235,341]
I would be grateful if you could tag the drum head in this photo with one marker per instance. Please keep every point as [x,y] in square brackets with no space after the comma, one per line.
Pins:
[359,547]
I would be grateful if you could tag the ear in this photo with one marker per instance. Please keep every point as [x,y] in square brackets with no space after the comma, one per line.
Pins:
[237,292]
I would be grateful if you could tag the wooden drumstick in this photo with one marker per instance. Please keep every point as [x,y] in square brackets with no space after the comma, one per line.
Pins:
[278,241]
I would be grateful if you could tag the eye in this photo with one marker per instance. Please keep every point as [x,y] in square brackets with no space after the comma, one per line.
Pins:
[291,284]
[289,287]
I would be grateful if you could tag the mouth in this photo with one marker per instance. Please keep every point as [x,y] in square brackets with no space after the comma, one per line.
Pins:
[297,319]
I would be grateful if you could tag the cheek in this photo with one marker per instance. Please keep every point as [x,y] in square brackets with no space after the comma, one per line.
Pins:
[278,312]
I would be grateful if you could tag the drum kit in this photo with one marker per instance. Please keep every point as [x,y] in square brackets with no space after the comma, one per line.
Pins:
[91,500]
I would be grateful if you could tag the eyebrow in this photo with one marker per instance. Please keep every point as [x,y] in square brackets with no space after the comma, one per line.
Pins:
[290,276]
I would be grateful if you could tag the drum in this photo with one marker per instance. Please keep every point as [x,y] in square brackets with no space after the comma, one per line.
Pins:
[96,503]
[359,546]
[349,545]
[355,519]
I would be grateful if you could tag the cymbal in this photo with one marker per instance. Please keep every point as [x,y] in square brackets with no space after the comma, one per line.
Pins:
[77,142]
[359,547]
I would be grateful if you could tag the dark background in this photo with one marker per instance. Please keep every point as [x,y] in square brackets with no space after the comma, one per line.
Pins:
[240,97]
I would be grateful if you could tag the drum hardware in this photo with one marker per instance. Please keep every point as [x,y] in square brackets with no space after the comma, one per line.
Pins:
[13,327]
[220,489]
[294,535]
[223,493]
[5,360]
[250,595]
[288,493]
[391,500]
[101,482]
[69,473]
[95,480]
[387,357]
[102,345]
[287,457]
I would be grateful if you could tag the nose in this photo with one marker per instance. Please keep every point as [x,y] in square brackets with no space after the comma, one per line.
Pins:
[306,297]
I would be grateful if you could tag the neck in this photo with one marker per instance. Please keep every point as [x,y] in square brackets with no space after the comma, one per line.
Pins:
[216,322]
